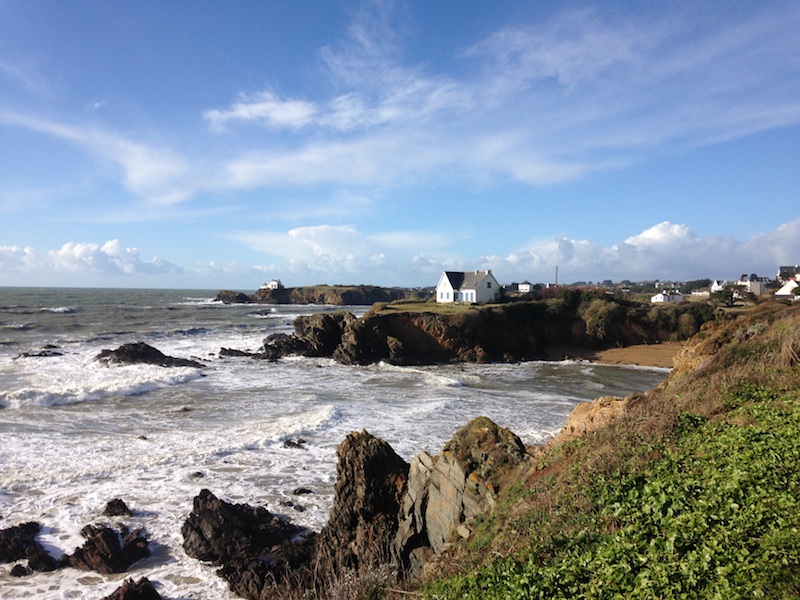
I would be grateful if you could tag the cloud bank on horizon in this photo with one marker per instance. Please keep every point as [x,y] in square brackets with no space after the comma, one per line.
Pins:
[393,140]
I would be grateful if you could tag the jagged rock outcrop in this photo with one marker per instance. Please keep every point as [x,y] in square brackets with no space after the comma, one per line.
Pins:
[255,549]
[141,353]
[135,590]
[321,334]
[14,541]
[108,551]
[587,417]
[19,542]
[370,483]
[230,297]
[446,493]
[385,512]
[116,508]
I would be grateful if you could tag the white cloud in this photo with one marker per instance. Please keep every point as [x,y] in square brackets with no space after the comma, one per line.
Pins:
[583,92]
[155,173]
[79,262]
[264,107]
[344,254]
[664,251]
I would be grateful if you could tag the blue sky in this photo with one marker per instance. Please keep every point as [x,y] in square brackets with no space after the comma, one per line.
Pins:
[221,144]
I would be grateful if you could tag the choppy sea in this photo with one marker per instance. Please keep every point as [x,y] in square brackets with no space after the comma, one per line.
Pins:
[75,433]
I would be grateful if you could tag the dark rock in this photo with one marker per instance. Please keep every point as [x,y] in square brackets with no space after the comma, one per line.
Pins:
[108,551]
[46,353]
[293,444]
[254,548]
[235,353]
[19,571]
[117,508]
[322,333]
[135,590]
[302,491]
[229,297]
[283,344]
[266,353]
[19,542]
[39,560]
[15,541]
[140,352]
[370,483]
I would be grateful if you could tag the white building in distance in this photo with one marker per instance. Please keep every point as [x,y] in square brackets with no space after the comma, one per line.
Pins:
[275,284]
[667,296]
[467,286]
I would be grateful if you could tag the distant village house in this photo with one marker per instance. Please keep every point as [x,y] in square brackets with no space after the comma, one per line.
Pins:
[526,287]
[666,296]
[788,291]
[467,286]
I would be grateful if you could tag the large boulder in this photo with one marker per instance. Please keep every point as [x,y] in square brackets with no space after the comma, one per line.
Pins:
[255,549]
[135,590]
[139,352]
[230,297]
[322,333]
[107,550]
[370,484]
[446,493]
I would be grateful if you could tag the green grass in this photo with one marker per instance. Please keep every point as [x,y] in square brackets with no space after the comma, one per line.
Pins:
[413,306]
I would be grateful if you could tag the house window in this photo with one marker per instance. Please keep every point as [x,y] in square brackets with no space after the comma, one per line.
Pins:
[489,284]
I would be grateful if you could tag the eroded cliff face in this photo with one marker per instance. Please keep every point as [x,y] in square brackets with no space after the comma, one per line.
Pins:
[510,332]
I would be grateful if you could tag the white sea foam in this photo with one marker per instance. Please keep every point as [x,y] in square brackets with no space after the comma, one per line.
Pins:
[93,383]
[61,309]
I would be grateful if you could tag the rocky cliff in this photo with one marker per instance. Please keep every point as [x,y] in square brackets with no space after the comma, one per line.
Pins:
[336,295]
[509,332]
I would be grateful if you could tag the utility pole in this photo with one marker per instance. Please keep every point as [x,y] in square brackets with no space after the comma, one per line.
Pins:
[556,275]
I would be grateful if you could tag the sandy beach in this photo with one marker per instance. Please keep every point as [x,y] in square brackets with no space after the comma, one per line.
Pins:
[646,355]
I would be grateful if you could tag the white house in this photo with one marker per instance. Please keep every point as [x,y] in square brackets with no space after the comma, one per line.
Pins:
[526,287]
[275,284]
[469,286]
[719,285]
[667,296]
[787,291]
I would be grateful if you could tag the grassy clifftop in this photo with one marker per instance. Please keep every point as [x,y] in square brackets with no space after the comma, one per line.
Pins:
[694,492]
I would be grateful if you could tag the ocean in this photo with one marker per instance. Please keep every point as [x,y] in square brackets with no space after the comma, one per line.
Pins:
[75,433]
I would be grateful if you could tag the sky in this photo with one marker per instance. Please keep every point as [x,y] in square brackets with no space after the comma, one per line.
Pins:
[218,145]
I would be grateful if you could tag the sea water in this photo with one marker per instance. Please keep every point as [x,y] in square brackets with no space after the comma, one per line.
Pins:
[76,433]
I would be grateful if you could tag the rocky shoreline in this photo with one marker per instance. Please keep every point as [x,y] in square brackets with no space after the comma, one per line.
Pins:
[506,333]
[386,513]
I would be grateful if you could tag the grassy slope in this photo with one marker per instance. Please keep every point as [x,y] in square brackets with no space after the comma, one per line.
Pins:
[694,493]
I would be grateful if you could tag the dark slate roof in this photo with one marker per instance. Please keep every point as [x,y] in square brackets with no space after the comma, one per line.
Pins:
[470,280]
[455,278]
